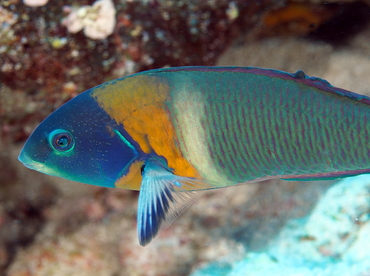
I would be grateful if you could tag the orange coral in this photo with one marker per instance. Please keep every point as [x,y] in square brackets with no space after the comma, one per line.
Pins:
[296,19]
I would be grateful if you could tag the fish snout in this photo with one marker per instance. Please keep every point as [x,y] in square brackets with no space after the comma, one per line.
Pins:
[28,162]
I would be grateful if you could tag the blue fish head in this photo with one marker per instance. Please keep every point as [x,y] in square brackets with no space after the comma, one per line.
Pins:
[80,142]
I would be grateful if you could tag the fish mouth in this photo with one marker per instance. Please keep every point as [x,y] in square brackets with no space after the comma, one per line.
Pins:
[37,166]
[29,163]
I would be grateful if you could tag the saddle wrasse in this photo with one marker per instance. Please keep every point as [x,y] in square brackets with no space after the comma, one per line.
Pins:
[175,131]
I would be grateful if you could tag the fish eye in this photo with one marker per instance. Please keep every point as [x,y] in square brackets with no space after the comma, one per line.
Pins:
[61,140]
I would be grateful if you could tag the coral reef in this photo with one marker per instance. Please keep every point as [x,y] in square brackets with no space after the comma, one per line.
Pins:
[50,226]
[44,56]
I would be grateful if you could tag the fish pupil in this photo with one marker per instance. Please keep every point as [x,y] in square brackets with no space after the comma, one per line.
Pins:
[63,141]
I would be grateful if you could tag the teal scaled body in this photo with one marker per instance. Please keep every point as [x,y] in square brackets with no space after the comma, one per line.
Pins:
[172,132]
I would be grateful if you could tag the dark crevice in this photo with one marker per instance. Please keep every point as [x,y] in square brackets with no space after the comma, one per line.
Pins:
[350,19]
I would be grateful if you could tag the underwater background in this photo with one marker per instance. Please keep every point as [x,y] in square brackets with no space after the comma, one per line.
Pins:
[50,51]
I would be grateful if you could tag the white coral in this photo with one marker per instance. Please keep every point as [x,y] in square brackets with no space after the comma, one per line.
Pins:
[35,3]
[98,20]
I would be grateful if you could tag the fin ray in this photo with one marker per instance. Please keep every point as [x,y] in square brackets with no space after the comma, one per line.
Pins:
[163,197]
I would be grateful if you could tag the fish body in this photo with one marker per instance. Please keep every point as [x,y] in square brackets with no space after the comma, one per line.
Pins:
[175,131]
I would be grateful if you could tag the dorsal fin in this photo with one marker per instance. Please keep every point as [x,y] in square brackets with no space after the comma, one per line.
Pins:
[299,76]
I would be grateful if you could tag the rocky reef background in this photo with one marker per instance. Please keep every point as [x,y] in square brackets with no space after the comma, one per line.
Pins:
[52,50]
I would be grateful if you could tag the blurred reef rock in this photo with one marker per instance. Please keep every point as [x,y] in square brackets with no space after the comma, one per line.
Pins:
[332,240]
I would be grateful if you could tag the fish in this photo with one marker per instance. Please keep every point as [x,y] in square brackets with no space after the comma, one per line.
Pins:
[172,133]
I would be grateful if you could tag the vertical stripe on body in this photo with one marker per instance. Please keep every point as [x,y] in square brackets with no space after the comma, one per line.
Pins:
[189,116]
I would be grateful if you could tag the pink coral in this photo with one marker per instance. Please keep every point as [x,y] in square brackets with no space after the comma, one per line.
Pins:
[98,20]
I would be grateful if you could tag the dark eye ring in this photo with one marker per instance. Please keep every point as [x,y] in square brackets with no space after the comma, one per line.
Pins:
[61,140]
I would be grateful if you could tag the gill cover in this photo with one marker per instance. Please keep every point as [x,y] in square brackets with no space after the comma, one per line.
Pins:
[80,142]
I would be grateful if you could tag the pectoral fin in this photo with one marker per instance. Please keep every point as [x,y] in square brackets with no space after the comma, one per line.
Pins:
[163,197]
